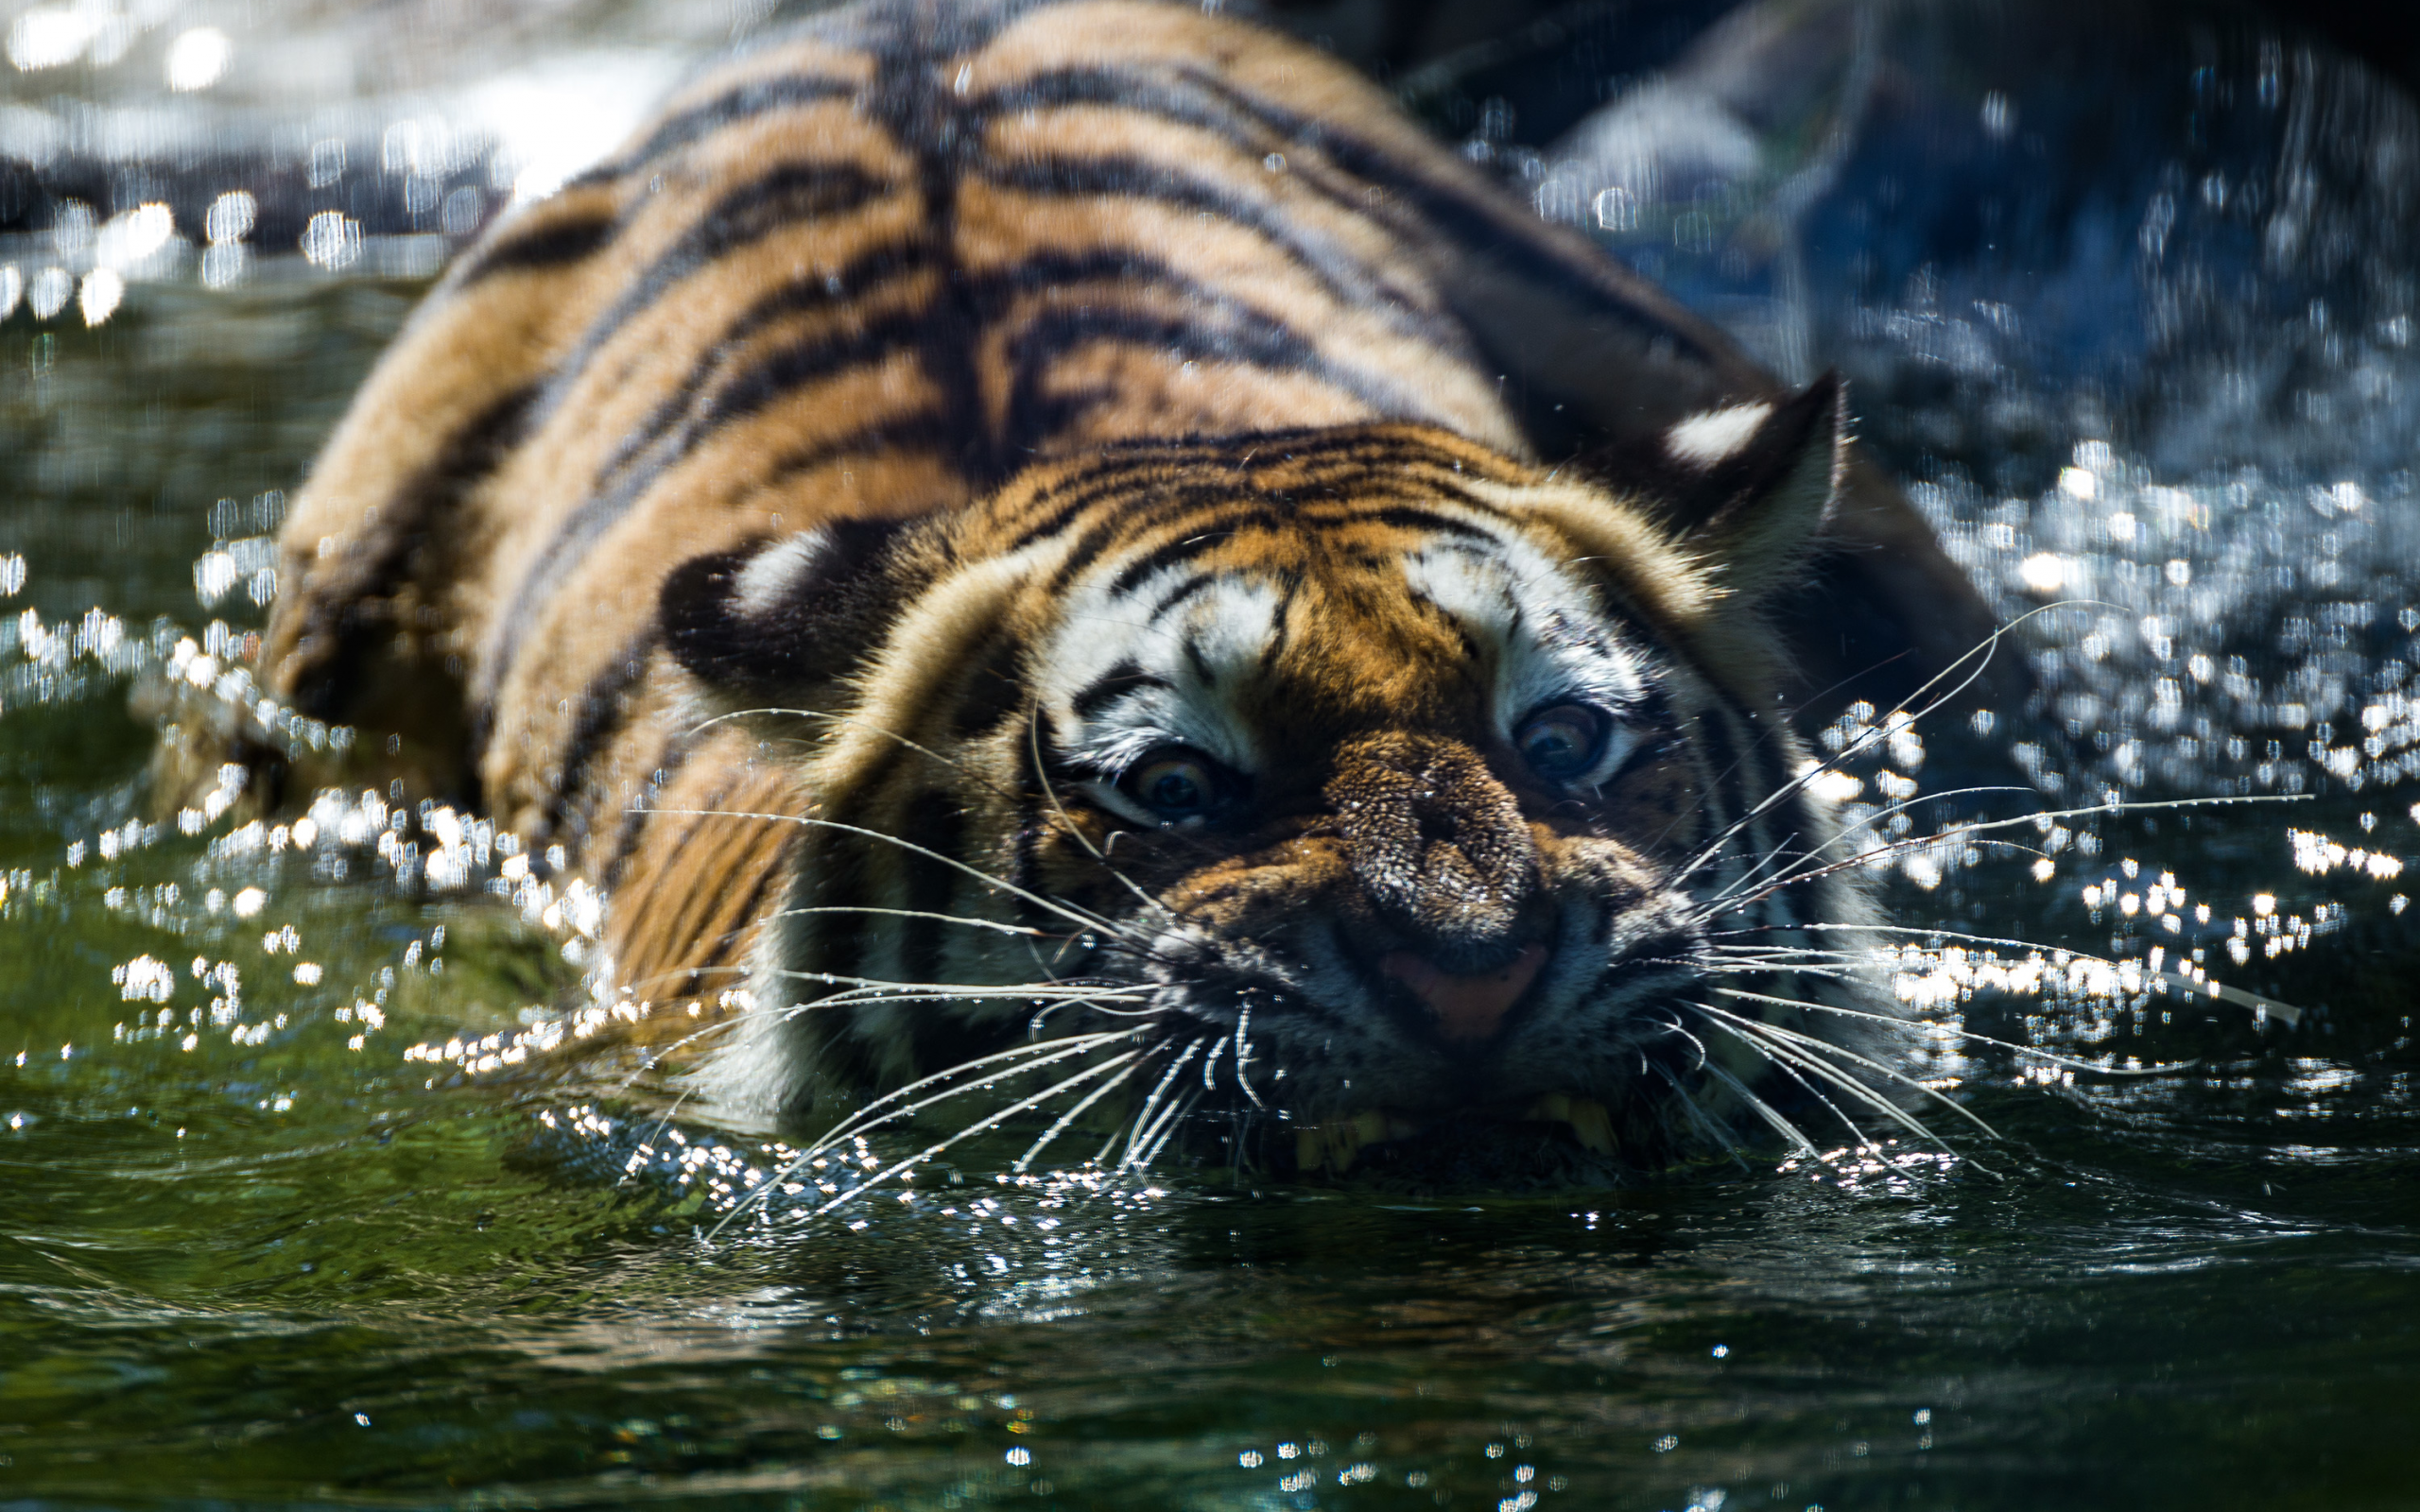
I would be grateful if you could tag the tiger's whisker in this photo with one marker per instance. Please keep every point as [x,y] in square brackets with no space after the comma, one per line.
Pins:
[1152,1102]
[1815,1046]
[661,1125]
[864,997]
[1804,859]
[1673,1025]
[860,1122]
[992,924]
[1858,1135]
[1717,1131]
[1824,970]
[2217,992]
[1066,987]
[1069,1117]
[1243,1032]
[1780,856]
[990,1121]
[1911,1024]
[721,1025]
[1965,832]
[1064,910]
[864,1119]
[636,985]
[1761,1109]
[997,789]
[1169,1121]
[1986,649]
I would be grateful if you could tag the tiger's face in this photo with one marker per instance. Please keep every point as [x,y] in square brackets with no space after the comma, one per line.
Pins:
[1375,786]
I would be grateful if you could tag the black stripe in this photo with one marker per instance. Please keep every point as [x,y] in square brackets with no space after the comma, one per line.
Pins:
[718,949]
[783,371]
[1069,499]
[992,691]
[838,864]
[1727,775]
[1482,221]
[747,101]
[1250,125]
[1195,537]
[1195,519]
[1402,517]
[1475,221]
[933,821]
[1169,554]
[598,720]
[921,429]
[1281,621]
[345,620]
[1145,93]
[847,291]
[1173,508]
[1191,586]
[1113,685]
[1025,864]
[1213,328]
[1112,472]
[551,244]
[934,123]
[674,755]
[1340,276]
[784,197]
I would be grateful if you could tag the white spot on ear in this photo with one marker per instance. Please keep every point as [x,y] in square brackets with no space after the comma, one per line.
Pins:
[1704,440]
[771,573]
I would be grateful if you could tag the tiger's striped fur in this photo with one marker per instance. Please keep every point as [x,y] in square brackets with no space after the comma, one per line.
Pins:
[950,380]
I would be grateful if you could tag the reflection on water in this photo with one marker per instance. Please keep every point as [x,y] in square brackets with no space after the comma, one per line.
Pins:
[289,1221]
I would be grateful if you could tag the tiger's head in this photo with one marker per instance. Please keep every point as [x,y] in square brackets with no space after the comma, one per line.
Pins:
[1362,784]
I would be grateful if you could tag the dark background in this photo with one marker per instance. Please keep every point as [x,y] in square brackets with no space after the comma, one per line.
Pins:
[1395,37]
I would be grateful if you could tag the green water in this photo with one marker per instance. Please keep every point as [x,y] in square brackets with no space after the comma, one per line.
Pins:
[262,1257]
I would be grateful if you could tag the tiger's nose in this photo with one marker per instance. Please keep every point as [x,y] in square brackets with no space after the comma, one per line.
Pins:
[1441,849]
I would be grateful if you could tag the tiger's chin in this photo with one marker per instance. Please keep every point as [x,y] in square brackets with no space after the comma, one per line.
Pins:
[1557,1140]
[1553,1140]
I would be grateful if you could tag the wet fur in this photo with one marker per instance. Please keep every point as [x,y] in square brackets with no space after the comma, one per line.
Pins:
[746,490]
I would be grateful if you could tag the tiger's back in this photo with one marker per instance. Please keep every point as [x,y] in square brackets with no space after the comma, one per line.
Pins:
[874,271]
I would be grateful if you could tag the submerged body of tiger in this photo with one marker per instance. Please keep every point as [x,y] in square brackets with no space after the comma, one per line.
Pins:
[989,503]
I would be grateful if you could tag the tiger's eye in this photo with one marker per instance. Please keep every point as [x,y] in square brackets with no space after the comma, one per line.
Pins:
[1561,742]
[1177,786]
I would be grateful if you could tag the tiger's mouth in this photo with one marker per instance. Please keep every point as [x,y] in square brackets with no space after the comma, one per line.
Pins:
[1464,1009]
[1466,1006]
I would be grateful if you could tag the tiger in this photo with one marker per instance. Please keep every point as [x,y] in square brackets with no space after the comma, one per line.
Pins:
[1018,534]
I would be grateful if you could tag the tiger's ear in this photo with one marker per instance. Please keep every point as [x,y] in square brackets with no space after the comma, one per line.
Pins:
[1750,485]
[773,621]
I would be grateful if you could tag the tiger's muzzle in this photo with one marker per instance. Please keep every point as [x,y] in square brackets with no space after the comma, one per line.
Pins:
[1448,874]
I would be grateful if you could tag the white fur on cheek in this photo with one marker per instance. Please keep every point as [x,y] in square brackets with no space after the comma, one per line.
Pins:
[771,573]
[1703,440]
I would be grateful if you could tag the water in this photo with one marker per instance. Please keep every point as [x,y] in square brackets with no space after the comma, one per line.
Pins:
[267,1241]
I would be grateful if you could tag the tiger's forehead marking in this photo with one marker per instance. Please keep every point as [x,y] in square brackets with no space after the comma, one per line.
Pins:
[1241,633]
